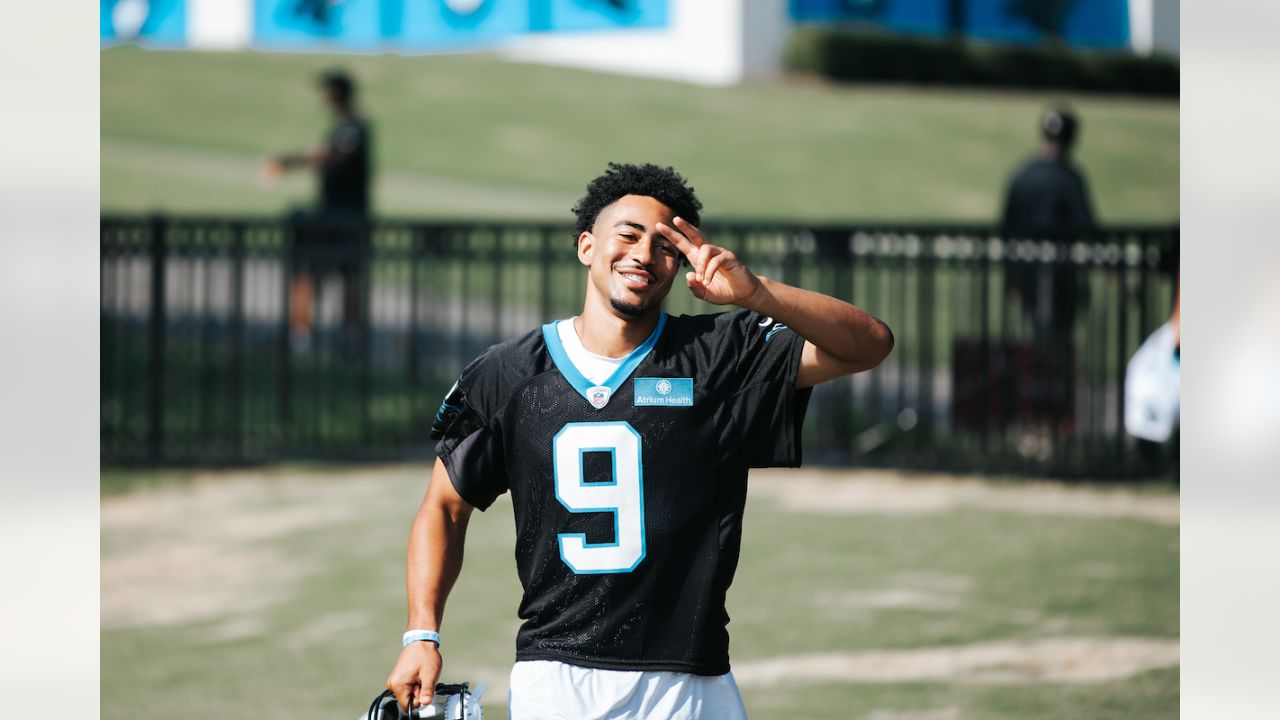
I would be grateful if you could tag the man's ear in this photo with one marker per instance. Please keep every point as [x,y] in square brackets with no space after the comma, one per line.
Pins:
[586,246]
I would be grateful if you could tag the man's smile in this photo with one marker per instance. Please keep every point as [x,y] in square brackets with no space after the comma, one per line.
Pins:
[635,278]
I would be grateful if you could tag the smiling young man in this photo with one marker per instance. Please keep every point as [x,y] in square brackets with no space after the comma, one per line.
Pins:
[624,436]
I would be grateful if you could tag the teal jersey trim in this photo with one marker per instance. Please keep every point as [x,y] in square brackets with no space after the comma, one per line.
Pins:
[576,379]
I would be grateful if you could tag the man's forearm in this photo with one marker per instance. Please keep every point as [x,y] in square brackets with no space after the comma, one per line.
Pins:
[314,158]
[838,328]
[435,559]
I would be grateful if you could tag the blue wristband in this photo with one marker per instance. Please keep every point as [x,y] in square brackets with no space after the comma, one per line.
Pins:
[412,636]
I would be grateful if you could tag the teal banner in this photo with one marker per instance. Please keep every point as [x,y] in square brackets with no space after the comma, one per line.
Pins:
[428,25]
[155,22]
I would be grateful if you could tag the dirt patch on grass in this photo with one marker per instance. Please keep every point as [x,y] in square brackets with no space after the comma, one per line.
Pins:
[888,492]
[938,714]
[1055,660]
[915,590]
[328,627]
[887,599]
[209,549]
[192,579]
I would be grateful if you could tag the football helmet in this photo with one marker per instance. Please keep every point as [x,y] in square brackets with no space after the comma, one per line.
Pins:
[452,701]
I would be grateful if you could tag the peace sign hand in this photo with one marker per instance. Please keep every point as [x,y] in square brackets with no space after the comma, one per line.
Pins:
[717,276]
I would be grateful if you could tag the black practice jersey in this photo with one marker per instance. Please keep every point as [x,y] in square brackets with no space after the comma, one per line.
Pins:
[629,495]
[1047,198]
[344,178]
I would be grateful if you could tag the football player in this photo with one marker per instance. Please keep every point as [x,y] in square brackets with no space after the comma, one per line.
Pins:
[624,436]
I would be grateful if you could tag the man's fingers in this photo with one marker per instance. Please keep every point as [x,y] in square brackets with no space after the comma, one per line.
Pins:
[709,274]
[404,693]
[689,240]
[698,289]
[690,231]
[427,683]
[704,255]
[682,243]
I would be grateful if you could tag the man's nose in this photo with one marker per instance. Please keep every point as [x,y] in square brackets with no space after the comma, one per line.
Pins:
[642,251]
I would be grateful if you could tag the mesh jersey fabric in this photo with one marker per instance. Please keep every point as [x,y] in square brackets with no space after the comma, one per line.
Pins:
[495,433]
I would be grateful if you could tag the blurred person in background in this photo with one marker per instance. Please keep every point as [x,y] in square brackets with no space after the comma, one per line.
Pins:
[1048,196]
[1048,199]
[332,235]
[1153,385]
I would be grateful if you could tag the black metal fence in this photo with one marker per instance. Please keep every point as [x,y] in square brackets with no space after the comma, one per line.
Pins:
[1010,354]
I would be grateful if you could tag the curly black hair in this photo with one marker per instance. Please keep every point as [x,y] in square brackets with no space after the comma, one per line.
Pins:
[662,184]
[338,81]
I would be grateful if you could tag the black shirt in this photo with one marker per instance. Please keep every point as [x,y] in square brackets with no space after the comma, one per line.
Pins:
[344,177]
[1047,198]
[628,496]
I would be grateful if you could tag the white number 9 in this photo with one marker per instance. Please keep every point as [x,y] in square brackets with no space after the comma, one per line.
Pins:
[623,496]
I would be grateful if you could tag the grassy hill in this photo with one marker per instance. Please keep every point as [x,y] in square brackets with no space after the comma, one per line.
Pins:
[474,136]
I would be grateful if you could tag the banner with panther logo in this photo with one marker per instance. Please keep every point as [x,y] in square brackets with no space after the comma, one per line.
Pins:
[427,25]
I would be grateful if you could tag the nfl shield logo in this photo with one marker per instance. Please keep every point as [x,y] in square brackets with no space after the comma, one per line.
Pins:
[598,396]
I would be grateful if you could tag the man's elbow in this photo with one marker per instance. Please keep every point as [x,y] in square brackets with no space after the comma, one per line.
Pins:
[878,345]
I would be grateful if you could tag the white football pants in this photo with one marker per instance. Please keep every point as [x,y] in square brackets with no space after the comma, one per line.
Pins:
[548,690]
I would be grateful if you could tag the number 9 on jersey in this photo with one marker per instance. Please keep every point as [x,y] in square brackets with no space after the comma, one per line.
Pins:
[623,495]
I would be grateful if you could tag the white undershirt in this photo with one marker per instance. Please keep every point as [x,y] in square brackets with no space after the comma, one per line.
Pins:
[596,368]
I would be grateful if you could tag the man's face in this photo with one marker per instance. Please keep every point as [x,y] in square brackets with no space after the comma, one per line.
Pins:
[631,264]
[332,98]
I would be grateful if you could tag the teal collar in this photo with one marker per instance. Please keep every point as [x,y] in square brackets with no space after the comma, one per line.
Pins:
[579,382]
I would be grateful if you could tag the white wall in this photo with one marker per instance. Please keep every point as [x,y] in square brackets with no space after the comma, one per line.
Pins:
[1154,26]
[219,24]
[712,42]
[1166,26]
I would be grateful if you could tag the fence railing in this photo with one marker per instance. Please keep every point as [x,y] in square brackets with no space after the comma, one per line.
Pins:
[1010,353]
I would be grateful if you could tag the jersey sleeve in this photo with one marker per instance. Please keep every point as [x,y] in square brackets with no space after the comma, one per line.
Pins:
[767,408]
[468,443]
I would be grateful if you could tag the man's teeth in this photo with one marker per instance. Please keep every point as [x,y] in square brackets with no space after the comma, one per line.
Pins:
[635,276]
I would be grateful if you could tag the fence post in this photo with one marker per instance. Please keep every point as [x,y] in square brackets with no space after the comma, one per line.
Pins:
[925,336]
[462,346]
[1144,270]
[833,252]
[156,341]
[544,272]
[495,268]
[364,275]
[237,340]
[417,258]
[107,302]
[984,345]
[1122,351]
[285,401]
[202,244]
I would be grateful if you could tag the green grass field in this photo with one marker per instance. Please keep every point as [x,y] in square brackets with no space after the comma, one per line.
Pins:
[473,136]
[859,595]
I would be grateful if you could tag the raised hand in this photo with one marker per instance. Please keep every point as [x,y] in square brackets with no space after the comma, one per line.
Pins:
[717,276]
